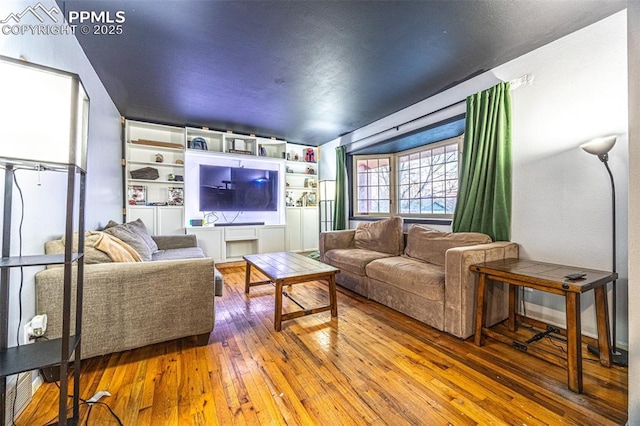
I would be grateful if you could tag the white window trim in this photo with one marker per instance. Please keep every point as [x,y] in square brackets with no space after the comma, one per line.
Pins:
[394,161]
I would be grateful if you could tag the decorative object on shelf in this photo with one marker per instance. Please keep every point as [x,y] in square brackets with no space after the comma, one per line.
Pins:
[262,151]
[288,156]
[601,147]
[306,182]
[146,173]
[137,195]
[171,177]
[295,157]
[159,158]
[198,143]
[179,178]
[179,161]
[311,171]
[288,169]
[157,203]
[311,199]
[310,155]
[289,200]
[176,196]
[284,155]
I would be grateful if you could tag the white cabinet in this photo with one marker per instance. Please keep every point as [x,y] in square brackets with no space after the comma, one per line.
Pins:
[159,220]
[155,176]
[302,228]
[230,243]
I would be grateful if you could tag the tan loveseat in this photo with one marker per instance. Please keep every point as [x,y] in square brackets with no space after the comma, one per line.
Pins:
[168,295]
[424,273]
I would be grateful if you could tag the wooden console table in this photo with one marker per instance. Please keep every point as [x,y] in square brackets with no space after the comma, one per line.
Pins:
[549,278]
[285,268]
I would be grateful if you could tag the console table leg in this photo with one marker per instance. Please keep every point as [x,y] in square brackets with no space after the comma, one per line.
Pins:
[481,309]
[602,319]
[513,305]
[574,348]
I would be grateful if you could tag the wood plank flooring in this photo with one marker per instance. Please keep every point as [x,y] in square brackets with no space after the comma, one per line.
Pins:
[369,366]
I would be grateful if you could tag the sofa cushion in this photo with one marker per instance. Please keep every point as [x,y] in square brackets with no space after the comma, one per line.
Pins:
[180,253]
[383,235]
[135,234]
[116,249]
[431,246]
[352,260]
[420,278]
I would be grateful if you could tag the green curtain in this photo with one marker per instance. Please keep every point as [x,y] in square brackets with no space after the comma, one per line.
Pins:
[340,206]
[484,196]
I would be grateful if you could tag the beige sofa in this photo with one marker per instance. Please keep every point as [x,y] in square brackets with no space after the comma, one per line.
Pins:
[133,304]
[424,273]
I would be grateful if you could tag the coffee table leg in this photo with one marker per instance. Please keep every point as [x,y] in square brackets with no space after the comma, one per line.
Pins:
[333,300]
[277,322]
[481,309]
[247,278]
[574,348]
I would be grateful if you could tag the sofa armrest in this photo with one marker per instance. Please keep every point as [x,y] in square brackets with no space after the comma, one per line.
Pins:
[166,242]
[461,285]
[331,240]
[130,305]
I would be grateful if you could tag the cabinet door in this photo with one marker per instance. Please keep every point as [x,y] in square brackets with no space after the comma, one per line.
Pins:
[294,225]
[272,239]
[211,241]
[145,213]
[170,220]
[310,229]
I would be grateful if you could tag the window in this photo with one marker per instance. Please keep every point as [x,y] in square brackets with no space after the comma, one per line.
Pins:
[428,180]
[421,182]
[373,185]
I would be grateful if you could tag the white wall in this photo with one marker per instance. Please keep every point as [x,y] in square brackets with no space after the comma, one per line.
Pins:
[561,195]
[44,208]
[633,14]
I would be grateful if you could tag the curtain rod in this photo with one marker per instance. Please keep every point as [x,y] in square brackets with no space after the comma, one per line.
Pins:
[524,80]
[397,127]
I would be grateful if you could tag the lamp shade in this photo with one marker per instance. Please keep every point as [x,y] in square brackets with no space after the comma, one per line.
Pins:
[327,190]
[599,146]
[43,114]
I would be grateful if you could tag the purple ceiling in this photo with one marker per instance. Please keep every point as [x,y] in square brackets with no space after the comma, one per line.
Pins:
[309,71]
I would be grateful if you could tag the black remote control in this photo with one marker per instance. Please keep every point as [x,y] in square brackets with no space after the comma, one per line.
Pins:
[575,276]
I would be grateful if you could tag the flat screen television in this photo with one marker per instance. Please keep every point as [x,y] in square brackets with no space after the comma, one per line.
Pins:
[238,189]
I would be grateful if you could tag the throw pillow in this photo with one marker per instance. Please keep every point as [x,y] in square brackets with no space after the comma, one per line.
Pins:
[116,249]
[91,254]
[431,246]
[384,236]
[130,237]
[138,227]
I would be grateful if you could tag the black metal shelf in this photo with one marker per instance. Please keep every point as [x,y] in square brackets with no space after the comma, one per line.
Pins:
[37,260]
[36,355]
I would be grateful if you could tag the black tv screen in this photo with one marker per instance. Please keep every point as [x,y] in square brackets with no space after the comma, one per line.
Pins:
[238,189]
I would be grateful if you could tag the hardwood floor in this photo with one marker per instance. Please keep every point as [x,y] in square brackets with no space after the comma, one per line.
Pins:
[371,365]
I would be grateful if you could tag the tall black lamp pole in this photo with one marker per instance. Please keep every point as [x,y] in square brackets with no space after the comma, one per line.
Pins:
[601,148]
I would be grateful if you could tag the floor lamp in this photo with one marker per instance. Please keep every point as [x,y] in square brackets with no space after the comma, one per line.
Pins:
[601,147]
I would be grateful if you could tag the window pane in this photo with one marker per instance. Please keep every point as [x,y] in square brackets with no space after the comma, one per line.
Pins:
[438,205]
[426,206]
[373,179]
[438,189]
[362,179]
[438,155]
[452,170]
[451,205]
[384,206]
[373,206]
[362,166]
[362,192]
[373,164]
[373,193]
[384,192]
[438,172]
[362,206]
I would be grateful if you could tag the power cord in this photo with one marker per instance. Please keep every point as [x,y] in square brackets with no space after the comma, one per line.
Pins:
[90,405]
[15,392]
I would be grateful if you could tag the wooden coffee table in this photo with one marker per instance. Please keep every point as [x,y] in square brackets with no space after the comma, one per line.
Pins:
[284,268]
[549,278]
